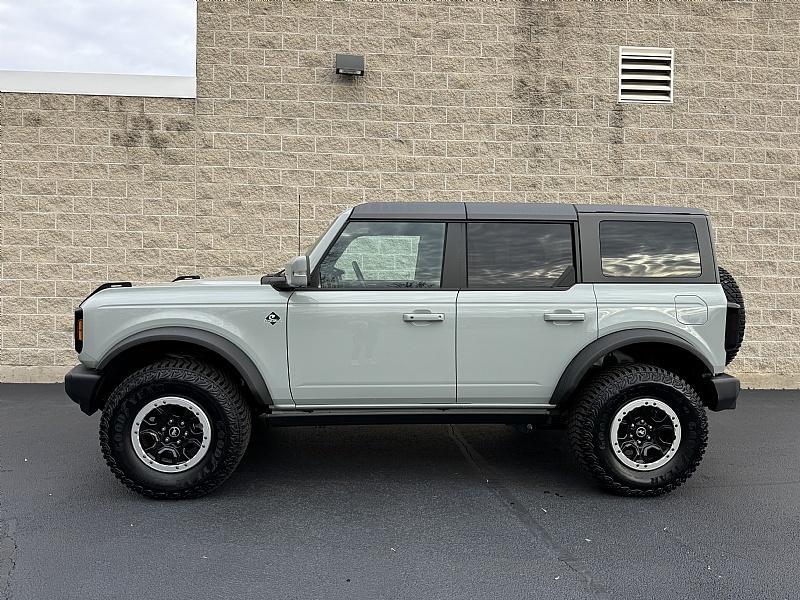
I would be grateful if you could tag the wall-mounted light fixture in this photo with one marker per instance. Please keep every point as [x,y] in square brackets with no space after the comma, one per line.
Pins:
[349,64]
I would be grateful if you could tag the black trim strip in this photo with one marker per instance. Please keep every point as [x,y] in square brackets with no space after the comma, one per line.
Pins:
[454,269]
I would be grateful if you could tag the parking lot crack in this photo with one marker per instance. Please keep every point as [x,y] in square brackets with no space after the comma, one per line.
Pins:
[525,517]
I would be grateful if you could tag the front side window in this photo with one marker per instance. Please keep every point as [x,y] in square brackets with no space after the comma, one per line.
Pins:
[385,254]
[519,255]
[649,249]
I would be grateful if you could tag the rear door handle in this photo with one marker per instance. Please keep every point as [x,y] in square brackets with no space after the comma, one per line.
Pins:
[565,316]
[412,317]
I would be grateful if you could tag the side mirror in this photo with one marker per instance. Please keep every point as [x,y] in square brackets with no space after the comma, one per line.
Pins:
[297,272]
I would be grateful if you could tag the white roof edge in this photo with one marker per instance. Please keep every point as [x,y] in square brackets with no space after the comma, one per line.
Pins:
[98,84]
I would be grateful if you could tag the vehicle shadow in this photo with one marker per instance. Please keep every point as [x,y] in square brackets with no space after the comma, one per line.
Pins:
[414,454]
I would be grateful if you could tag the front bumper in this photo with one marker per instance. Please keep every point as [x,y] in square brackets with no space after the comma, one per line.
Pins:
[726,390]
[81,385]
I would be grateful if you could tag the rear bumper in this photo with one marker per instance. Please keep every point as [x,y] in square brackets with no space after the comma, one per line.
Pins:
[81,386]
[726,390]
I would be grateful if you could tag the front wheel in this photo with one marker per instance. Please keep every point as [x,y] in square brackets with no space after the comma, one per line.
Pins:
[640,430]
[175,429]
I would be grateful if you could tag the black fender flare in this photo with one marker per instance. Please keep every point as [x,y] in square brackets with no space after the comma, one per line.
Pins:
[583,361]
[217,344]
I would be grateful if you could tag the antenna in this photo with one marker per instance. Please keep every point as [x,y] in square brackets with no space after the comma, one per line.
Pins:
[298,223]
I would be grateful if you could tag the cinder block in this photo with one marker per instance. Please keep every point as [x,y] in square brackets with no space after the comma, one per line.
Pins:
[471,102]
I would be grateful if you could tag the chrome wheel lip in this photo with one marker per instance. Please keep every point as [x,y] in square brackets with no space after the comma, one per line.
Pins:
[174,401]
[614,431]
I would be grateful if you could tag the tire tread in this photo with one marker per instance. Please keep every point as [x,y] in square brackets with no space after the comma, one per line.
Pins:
[203,375]
[734,294]
[593,398]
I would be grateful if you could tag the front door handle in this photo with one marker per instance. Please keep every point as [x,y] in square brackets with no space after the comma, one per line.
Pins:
[565,316]
[413,317]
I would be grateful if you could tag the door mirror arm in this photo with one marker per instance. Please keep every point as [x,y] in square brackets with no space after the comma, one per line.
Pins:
[277,281]
[294,276]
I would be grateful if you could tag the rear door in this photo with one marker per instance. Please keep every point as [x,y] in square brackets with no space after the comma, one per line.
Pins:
[523,316]
[376,328]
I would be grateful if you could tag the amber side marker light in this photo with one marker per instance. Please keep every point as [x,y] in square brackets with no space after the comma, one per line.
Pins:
[78,330]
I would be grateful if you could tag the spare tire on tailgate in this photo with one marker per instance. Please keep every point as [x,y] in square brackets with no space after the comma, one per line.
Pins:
[734,327]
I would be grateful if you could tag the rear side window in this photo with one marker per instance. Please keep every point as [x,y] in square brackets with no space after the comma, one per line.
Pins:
[649,249]
[519,255]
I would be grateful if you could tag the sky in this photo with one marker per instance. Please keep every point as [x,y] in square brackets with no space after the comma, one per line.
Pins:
[146,37]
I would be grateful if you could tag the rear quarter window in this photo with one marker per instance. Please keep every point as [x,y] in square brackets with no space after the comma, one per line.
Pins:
[649,249]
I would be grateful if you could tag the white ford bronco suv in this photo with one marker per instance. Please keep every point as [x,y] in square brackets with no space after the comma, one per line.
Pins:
[614,321]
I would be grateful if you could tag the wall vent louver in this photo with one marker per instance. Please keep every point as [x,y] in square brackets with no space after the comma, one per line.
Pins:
[646,74]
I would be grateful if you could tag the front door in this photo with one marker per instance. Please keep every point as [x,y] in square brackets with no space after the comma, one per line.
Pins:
[522,316]
[375,328]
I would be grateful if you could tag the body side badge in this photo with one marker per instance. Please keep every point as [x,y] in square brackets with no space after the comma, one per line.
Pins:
[272,318]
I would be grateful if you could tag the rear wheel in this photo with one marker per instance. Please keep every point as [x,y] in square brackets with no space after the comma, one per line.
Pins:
[639,430]
[175,429]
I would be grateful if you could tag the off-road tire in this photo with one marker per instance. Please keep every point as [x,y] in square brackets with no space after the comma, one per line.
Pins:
[733,294]
[211,389]
[589,422]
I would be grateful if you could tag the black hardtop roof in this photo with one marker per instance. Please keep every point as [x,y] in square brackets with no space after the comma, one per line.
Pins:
[503,211]
[642,209]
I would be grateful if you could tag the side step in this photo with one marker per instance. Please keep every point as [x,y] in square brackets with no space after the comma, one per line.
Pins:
[389,416]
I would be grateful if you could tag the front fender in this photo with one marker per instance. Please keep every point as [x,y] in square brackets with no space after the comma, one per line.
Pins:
[221,346]
[219,316]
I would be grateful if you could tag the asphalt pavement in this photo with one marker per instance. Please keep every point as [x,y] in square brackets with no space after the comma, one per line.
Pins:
[411,511]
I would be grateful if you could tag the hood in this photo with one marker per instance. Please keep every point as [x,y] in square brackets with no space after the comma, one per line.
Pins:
[215,290]
[216,281]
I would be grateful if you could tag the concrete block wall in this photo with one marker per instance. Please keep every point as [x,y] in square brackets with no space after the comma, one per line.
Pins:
[93,189]
[479,100]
